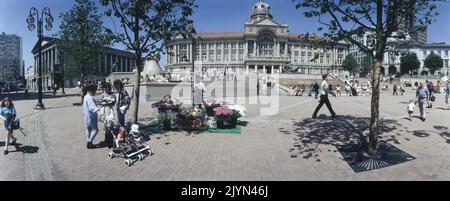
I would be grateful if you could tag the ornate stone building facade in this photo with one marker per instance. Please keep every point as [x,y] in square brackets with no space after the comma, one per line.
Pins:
[265,46]
[110,60]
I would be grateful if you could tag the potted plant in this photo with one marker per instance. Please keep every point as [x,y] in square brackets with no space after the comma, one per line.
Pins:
[238,112]
[166,119]
[168,104]
[223,117]
[210,104]
[191,118]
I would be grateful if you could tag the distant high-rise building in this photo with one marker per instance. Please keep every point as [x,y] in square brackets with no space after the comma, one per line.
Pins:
[11,63]
[409,27]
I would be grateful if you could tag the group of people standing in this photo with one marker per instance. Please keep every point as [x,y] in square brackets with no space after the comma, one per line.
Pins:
[114,106]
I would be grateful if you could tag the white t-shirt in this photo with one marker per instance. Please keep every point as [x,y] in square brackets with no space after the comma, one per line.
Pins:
[198,92]
[323,90]
[411,107]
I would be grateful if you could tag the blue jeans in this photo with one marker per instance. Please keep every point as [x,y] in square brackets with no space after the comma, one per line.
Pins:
[91,132]
[423,102]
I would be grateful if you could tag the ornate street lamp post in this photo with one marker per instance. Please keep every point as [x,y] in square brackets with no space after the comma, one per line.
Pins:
[31,26]
[191,31]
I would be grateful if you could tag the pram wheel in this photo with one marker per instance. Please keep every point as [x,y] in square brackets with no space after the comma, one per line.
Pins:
[128,162]
[111,155]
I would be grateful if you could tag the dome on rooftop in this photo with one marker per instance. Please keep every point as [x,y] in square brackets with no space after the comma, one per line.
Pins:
[261,8]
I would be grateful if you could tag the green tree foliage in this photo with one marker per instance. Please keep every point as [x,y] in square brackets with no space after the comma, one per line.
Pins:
[146,24]
[392,70]
[433,62]
[409,63]
[343,19]
[365,66]
[350,64]
[81,38]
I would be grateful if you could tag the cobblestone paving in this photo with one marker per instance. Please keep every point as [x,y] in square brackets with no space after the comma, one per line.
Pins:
[269,148]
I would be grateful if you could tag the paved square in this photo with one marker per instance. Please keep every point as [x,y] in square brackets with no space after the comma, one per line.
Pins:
[286,146]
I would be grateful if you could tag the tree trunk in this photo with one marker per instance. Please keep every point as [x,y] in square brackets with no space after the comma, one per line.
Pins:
[136,90]
[375,109]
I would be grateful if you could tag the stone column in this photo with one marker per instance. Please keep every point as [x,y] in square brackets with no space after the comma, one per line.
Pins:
[254,48]
[189,52]
[278,49]
[176,54]
[207,52]
[272,70]
[285,49]
[245,50]
[223,53]
[264,69]
[246,70]
[200,51]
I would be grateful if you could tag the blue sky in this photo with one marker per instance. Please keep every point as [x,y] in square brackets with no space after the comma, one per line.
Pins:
[211,15]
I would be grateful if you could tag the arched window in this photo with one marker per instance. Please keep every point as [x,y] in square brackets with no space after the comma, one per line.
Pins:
[265,43]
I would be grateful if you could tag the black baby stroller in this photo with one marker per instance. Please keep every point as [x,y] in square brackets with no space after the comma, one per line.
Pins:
[132,147]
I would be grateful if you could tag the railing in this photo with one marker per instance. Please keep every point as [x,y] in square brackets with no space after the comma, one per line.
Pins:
[271,58]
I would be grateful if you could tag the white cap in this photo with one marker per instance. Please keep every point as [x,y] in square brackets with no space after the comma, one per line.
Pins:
[135,128]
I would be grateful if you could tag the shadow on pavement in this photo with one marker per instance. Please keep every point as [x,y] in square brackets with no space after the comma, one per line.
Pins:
[26,149]
[345,133]
[34,96]
[58,107]
[442,131]
[421,133]
[311,134]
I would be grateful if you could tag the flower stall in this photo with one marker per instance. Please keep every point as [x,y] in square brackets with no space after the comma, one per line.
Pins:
[227,116]
[216,115]
[191,119]
[224,116]
[210,104]
[168,119]
[168,104]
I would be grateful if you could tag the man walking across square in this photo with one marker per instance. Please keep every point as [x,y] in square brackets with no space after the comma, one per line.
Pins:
[324,91]
[422,94]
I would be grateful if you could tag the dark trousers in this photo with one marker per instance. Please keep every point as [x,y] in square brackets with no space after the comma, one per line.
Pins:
[108,139]
[324,100]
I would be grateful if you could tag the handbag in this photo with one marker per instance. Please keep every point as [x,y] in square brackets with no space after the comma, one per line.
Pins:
[433,98]
[15,125]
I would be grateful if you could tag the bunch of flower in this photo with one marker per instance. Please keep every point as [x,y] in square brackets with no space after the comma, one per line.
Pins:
[192,112]
[223,112]
[211,103]
[198,123]
[170,103]
[167,116]
[240,110]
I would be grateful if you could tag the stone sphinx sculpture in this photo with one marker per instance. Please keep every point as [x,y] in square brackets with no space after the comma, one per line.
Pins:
[290,69]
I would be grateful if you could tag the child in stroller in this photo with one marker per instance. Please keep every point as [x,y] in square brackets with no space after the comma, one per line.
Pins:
[129,143]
